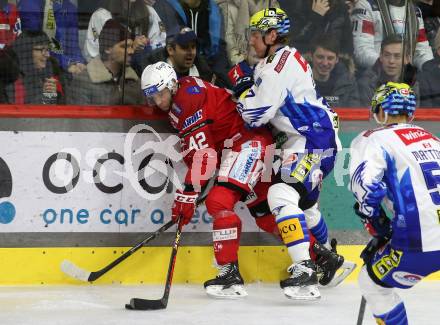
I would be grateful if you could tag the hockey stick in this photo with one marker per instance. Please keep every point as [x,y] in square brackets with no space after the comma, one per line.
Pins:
[147,304]
[76,272]
[361,311]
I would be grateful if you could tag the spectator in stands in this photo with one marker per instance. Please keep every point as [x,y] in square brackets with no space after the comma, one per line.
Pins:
[236,14]
[181,54]
[105,81]
[429,79]
[144,23]
[10,25]
[59,20]
[41,80]
[9,71]
[312,18]
[332,78]
[387,68]
[205,18]
[431,18]
[369,29]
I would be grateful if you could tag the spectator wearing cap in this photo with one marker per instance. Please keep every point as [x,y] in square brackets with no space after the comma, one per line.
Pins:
[181,53]
[429,78]
[144,23]
[108,75]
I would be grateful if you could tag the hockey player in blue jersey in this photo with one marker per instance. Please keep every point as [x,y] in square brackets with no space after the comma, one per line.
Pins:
[397,166]
[281,93]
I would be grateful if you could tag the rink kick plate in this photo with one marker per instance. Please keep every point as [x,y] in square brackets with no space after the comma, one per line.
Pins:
[148,265]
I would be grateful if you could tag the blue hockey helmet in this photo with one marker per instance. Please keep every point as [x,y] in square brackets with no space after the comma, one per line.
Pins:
[395,99]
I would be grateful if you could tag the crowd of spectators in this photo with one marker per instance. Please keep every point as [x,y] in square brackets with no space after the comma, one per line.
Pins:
[93,53]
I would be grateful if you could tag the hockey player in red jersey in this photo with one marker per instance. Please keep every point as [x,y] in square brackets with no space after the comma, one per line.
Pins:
[211,130]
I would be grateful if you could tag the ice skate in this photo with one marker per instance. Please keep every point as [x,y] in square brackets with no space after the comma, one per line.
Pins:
[228,284]
[327,262]
[331,267]
[303,283]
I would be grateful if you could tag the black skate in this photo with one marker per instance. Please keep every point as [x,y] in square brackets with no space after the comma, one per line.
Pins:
[303,283]
[331,267]
[327,262]
[227,284]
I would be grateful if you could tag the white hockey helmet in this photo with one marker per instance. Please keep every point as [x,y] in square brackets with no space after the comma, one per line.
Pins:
[157,77]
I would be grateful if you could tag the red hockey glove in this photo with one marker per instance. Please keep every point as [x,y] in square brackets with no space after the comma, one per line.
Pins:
[184,206]
[241,77]
[240,70]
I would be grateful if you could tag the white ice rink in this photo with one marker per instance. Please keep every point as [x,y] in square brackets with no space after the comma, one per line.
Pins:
[188,304]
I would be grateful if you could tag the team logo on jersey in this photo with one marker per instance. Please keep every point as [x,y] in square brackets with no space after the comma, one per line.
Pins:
[197,116]
[406,279]
[413,135]
[258,82]
[194,90]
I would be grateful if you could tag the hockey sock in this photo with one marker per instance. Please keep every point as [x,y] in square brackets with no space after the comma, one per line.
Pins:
[396,316]
[311,251]
[268,224]
[293,230]
[226,224]
[320,232]
[226,237]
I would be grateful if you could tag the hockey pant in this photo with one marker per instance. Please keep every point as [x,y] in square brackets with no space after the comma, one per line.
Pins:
[293,200]
[391,268]
[240,170]
[258,207]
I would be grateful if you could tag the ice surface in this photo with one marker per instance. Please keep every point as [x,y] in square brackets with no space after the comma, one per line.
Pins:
[188,304]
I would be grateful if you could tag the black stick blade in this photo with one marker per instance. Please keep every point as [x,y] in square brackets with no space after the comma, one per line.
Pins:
[144,304]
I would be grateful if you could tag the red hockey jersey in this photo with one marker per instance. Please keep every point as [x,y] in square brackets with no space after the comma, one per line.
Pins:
[10,26]
[205,117]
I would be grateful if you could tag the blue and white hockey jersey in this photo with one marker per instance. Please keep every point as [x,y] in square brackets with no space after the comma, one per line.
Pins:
[400,165]
[284,95]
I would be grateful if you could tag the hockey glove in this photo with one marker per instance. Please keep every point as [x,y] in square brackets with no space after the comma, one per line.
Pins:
[241,76]
[243,84]
[379,226]
[372,247]
[184,206]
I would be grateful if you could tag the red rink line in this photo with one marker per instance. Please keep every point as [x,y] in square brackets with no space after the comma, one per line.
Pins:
[139,112]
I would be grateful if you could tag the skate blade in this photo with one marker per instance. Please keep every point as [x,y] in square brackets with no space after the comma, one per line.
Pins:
[343,272]
[233,292]
[308,293]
